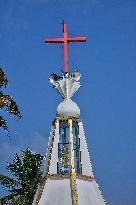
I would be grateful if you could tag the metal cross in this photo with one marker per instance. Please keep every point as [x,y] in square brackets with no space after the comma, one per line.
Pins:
[65,40]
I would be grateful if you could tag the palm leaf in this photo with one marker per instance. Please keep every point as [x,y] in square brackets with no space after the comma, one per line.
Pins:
[3,123]
[3,78]
[8,102]
[15,167]
[26,169]
[20,200]
[7,181]
[6,199]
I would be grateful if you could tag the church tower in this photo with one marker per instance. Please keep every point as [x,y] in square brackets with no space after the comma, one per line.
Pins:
[68,177]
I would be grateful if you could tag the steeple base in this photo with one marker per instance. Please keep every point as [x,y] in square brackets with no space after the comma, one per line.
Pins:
[68,177]
[58,189]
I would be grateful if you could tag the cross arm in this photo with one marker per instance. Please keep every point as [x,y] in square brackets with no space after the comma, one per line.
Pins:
[54,40]
[77,39]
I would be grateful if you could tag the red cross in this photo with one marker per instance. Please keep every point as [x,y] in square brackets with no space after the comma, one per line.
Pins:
[65,40]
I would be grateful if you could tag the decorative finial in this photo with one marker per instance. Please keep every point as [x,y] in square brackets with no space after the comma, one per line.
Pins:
[66,85]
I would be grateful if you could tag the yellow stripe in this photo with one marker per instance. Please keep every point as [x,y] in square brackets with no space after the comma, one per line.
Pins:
[73,174]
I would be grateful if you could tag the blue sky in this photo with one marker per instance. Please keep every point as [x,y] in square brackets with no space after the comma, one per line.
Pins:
[107,98]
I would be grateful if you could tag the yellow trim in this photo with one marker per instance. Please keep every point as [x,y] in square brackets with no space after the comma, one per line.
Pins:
[64,118]
[71,147]
[74,193]
[72,163]
[68,175]
[84,177]
[40,191]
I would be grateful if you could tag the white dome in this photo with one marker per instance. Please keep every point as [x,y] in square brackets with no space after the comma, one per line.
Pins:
[68,108]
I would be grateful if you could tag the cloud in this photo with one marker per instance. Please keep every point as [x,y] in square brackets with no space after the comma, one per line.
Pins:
[38,143]
[8,148]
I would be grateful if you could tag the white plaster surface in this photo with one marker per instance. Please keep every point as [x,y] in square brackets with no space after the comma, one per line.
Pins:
[89,193]
[85,158]
[56,192]
[68,108]
[48,151]
[67,86]
[54,156]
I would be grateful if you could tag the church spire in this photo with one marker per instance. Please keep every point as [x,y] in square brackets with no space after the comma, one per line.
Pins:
[68,177]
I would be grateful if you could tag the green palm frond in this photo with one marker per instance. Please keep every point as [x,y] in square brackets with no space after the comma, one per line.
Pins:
[7,181]
[6,200]
[20,200]
[3,123]
[27,173]
[16,167]
[8,102]
[3,78]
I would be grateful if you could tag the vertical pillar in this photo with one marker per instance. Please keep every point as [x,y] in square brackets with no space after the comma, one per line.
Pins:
[73,174]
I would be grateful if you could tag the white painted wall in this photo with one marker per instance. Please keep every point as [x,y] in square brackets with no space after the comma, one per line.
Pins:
[85,158]
[56,192]
[89,193]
